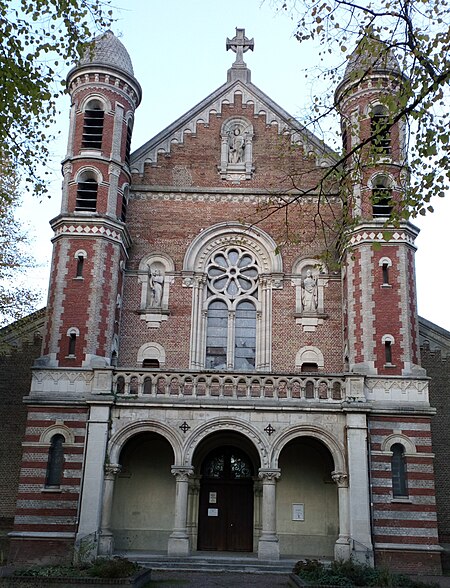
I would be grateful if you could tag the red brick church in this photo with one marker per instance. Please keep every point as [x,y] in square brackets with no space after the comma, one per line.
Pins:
[206,384]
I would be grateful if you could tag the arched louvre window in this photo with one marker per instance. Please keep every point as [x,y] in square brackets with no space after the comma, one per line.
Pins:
[379,128]
[381,197]
[398,467]
[87,188]
[93,125]
[55,462]
[232,292]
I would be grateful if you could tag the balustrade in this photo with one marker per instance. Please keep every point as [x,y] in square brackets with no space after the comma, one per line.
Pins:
[319,388]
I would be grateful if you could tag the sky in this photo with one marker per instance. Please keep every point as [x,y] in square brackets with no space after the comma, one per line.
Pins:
[178,52]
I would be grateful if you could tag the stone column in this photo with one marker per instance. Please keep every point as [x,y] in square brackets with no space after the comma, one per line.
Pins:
[268,546]
[106,540]
[359,496]
[179,539]
[91,499]
[342,546]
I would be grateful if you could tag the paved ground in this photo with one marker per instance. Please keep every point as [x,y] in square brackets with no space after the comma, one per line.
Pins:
[169,579]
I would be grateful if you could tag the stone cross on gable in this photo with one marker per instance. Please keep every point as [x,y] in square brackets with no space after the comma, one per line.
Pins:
[240,44]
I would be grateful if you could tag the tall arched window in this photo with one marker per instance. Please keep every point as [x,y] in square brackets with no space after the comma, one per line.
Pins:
[128,141]
[232,291]
[93,125]
[381,197]
[379,129]
[55,464]
[87,188]
[398,468]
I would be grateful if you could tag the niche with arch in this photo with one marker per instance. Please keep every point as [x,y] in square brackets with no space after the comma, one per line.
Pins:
[310,279]
[156,274]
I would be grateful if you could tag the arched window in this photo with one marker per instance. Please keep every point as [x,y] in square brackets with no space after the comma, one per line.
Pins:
[87,188]
[381,197]
[80,264]
[398,469]
[388,341]
[151,363]
[379,129]
[72,344]
[93,125]
[123,211]
[232,292]
[128,142]
[55,464]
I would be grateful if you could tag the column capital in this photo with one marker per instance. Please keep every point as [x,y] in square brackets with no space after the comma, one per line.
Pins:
[269,475]
[112,469]
[182,473]
[340,479]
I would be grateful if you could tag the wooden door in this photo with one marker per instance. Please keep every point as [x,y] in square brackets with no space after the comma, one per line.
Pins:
[226,509]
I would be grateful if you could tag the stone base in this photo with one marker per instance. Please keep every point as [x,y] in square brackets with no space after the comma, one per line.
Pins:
[426,563]
[40,551]
[106,544]
[342,551]
[269,549]
[178,547]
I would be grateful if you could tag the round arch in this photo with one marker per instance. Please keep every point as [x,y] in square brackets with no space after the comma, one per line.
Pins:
[233,233]
[221,425]
[119,439]
[333,446]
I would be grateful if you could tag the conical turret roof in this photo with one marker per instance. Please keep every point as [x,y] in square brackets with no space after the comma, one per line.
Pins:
[371,55]
[107,50]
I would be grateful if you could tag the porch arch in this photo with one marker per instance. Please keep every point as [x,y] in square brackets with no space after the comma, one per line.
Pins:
[219,425]
[332,444]
[119,439]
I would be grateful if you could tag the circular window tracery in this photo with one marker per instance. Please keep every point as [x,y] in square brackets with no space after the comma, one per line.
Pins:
[233,272]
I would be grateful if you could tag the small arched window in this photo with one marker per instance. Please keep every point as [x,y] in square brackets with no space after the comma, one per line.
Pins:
[380,131]
[80,264]
[151,363]
[128,142]
[398,469]
[55,464]
[381,197]
[345,145]
[123,212]
[87,189]
[72,344]
[93,125]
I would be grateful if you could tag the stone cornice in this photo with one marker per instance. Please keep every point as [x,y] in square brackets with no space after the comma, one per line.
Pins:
[91,226]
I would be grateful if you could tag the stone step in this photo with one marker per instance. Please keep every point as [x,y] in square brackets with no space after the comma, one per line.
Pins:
[202,563]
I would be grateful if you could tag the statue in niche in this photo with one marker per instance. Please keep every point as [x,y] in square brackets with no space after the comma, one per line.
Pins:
[309,292]
[156,285]
[236,146]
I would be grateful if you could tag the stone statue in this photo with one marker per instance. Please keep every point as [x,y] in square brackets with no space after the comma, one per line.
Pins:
[236,147]
[156,284]
[309,292]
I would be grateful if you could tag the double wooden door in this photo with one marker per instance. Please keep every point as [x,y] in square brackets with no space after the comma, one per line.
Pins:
[226,505]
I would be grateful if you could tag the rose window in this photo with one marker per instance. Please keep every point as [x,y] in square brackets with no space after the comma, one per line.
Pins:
[233,272]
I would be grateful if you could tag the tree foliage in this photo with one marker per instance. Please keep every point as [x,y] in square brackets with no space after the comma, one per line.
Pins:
[39,39]
[418,33]
[16,297]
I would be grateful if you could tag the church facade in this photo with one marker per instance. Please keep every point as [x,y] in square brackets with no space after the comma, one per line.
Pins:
[207,384]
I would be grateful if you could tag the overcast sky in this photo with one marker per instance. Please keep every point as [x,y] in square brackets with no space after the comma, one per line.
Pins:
[179,57]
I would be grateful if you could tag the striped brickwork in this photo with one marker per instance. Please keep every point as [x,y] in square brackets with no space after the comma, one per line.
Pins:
[49,513]
[408,524]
